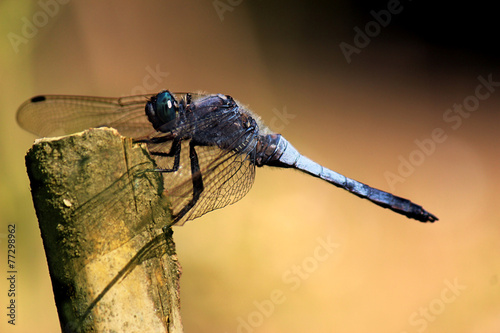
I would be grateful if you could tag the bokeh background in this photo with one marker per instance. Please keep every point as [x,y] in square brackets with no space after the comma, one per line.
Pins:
[358,114]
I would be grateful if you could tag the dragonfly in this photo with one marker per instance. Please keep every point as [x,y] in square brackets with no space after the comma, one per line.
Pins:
[206,146]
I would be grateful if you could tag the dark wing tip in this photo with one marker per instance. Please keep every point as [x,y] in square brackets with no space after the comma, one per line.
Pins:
[37,99]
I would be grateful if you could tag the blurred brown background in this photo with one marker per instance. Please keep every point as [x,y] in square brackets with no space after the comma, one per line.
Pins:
[383,273]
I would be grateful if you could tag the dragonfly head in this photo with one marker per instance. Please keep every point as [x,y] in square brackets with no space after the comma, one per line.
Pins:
[162,109]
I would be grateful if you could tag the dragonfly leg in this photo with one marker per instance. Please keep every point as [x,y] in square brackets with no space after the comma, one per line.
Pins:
[175,151]
[187,101]
[197,182]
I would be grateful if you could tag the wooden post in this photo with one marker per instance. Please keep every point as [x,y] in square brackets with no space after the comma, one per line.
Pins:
[101,212]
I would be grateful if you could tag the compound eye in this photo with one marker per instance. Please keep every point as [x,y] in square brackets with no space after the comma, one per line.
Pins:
[166,107]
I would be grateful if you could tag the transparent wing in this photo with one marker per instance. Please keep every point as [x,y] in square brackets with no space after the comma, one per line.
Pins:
[227,176]
[53,115]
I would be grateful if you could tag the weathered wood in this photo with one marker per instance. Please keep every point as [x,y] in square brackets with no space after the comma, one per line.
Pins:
[101,212]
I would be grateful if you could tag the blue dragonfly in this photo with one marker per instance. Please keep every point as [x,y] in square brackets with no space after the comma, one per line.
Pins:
[206,146]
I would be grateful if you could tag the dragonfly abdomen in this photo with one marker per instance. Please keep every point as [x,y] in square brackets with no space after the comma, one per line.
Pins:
[286,155]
